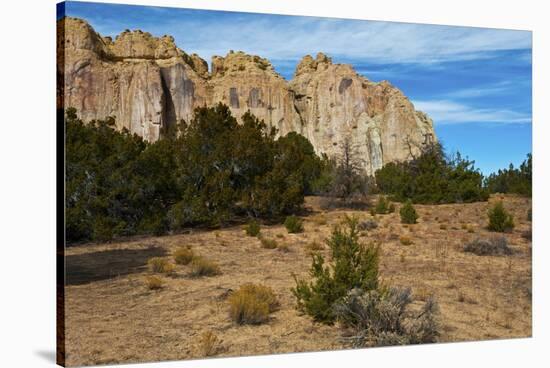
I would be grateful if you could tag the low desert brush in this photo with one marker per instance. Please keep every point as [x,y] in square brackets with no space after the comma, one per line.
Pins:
[495,246]
[294,224]
[183,255]
[268,243]
[252,228]
[160,265]
[201,266]
[252,304]
[153,282]
[385,318]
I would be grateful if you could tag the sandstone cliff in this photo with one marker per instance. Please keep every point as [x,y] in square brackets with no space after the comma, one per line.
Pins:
[148,83]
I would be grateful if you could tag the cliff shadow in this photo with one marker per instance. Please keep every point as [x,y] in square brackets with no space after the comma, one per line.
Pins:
[89,267]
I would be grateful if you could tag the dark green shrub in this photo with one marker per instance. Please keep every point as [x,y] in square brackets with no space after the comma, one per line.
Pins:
[512,180]
[353,265]
[294,224]
[408,213]
[205,171]
[382,206]
[253,228]
[499,219]
[432,178]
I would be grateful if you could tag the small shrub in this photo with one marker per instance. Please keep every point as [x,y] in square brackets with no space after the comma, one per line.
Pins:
[354,265]
[470,229]
[367,225]
[252,304]
[268,243]
[443,226]
[527,235]
[408,213]
[383,318]
[294,224]
[203,267]
[153,282]
[209,344]
[183,256]
[489,247]
[253,228]
[405,240]
[499,219]
[530,215]
[280,236]
[160,265]
[382,206]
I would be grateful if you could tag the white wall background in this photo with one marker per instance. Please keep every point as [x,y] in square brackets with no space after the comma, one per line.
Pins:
[27,181]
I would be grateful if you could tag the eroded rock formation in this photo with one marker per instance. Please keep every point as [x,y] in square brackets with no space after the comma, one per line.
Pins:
[148,83]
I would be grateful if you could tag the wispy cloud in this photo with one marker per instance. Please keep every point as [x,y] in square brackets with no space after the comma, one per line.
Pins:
[451,112]
[288,37]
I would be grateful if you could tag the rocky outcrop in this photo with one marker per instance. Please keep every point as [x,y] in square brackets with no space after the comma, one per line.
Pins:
[338,104]
[148,83]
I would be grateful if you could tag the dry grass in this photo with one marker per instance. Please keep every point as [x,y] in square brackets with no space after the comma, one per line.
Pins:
[184,256]
[209,344]
[268,243]
[160,265]
[111,319]
[405,240]
[153,282]
[252,304]
[201,266]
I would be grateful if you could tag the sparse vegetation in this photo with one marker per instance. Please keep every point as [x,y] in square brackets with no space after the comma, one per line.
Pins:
[252,228]
[499,219]
[201,266]
[314,246]
[209,344]
[153,282]
[160,265]
[183,255]
[252,304]
[268,243]
[405,240]
[385,318]
[354,265]
[294,224]
[494,246]
[408,213]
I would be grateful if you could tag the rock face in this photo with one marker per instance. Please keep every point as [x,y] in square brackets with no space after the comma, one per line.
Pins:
[148,83]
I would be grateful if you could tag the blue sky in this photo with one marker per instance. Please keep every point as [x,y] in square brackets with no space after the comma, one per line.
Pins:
[475,83]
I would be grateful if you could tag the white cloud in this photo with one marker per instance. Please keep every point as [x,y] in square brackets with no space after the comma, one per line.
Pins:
[451,112]
[286,37]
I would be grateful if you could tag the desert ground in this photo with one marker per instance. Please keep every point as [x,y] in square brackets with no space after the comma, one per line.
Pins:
[111,315]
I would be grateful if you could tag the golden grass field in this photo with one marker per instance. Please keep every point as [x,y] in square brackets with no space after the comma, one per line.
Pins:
[113,317]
